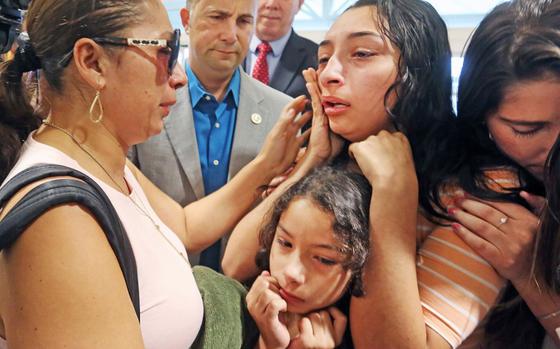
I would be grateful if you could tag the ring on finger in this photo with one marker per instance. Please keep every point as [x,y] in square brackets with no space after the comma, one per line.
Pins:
[503,220]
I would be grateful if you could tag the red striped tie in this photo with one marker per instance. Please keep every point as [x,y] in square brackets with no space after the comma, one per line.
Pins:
[260,70]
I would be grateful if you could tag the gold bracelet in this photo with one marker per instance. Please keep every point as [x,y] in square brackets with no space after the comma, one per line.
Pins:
[549,315]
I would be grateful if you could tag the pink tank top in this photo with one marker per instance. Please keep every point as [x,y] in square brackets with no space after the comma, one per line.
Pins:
[171,309]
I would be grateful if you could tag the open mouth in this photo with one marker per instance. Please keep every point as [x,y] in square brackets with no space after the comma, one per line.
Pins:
[327,104]
[334,106]
[334,102]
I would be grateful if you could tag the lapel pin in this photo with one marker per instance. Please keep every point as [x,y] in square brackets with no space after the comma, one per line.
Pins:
[256,118]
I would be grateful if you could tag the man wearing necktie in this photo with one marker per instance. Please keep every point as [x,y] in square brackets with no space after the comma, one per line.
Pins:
[277,55]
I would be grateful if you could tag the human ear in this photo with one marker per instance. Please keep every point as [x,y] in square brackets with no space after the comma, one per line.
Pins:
[185,18]
[91,62]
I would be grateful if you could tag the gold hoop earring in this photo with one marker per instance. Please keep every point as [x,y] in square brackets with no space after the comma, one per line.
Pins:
[96,100]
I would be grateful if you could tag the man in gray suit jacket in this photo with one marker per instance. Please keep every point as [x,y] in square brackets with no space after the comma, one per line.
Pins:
[221,117]
[290,53]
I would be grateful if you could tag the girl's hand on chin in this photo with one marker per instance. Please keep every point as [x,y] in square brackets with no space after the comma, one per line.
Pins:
[386,161]
[320,330]
[265,306]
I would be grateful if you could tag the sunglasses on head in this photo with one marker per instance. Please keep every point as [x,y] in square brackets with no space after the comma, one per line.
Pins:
[173,45]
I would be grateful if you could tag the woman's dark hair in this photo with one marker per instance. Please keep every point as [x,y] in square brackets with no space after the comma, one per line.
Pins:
[517,41]
[344,195]
[547,253]
[53,28]
[423,83]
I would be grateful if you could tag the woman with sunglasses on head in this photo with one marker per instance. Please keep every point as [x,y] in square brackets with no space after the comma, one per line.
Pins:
[109,77]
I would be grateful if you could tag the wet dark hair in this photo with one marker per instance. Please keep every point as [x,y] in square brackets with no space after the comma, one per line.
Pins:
[518,41]
[53,27]
[423,83]
[343,194]
[547,261]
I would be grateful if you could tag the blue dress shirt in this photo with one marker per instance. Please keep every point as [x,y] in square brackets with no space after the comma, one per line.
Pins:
[214,124]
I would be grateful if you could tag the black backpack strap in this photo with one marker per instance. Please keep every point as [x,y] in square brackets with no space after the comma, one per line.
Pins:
[83,191]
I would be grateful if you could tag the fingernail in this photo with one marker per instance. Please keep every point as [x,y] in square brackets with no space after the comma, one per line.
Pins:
[452,210]
[455,227]
[458,200]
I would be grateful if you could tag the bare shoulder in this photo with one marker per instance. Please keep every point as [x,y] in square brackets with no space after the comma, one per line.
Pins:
[65,287]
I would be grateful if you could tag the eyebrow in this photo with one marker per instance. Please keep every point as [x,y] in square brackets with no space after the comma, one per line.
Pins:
[284,230]
[250,15]
[522,123]
[327,247]
[353,35]
[218,11]
[324,246]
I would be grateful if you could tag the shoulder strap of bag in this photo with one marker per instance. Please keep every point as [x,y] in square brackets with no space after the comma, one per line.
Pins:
[82,190]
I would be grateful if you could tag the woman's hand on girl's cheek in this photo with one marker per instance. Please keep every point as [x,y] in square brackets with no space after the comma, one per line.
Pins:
[386,161]
[321,330]
[283,142]
[323,144]
[265,304]
[501,233]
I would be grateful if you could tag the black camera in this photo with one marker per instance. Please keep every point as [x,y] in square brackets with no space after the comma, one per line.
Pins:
[10,21]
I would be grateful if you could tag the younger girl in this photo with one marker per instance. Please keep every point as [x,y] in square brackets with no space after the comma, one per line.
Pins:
[313,248]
